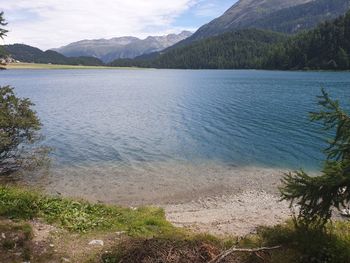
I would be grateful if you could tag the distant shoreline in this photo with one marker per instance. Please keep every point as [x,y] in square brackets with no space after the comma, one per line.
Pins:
[23,65]
[56,66]
[208,198]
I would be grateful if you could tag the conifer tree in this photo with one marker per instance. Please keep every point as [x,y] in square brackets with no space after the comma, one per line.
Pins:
[318,196]
[2,23]
[2,34]
[342,59]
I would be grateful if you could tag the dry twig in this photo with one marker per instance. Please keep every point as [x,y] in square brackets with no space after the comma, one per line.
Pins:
[228,252]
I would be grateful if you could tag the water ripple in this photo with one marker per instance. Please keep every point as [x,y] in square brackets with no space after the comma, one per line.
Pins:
[148,116]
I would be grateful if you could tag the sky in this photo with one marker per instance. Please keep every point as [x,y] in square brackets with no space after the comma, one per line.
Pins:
[53,23]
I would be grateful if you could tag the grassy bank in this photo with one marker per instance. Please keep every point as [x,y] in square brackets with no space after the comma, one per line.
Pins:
[81,216]
[41,228]
[53,66]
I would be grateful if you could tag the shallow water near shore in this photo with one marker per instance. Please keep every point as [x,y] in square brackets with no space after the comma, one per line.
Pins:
[156,135]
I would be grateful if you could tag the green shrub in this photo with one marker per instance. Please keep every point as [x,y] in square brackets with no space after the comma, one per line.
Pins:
[81,216]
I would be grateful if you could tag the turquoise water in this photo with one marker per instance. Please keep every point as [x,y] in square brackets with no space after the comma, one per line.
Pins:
[131,117]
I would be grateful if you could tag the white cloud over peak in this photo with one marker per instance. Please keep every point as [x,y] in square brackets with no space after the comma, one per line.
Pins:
[52,23]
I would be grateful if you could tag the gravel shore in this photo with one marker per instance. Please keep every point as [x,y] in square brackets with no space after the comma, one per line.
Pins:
[237,215]
[208,197]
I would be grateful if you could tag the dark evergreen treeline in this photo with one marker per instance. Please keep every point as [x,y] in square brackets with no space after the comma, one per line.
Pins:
[25,53]
[3,53]
[325,47]
[241,49]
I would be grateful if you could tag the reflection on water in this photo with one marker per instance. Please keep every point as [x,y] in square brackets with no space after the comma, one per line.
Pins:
[156,183]
[134,120]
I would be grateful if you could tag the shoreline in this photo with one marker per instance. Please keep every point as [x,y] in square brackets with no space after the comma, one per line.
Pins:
[159,184]
[235,215]
[215,199]
[17,66]
[25,65]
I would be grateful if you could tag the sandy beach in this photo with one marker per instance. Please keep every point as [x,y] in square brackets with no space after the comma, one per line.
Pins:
[157,184]
[236,215]
[211,197]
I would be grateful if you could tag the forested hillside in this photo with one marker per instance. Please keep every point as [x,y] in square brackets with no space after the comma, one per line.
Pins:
[2,52]
[241,49]
[121,47]
[30,54]
[326,47]
[283,16]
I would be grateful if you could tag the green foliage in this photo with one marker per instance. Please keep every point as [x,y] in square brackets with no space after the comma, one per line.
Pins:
[306,245]
[2,23]
[3,32]
[272,15]
[81,216]
[25,53]
[342,59]
[19,127]
[297,246]
[302,245]
[325,47]
[241,49]
[316,196]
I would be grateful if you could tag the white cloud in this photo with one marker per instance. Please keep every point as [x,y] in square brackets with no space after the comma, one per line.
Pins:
[212,8]
[52,23]
[207,10]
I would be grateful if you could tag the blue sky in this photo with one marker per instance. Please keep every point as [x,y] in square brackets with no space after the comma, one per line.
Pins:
[51,23]
[203,12]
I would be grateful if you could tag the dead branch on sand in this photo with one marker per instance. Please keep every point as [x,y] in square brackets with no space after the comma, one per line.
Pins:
[228,252]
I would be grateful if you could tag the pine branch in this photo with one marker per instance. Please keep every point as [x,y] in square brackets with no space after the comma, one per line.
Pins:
[316,196]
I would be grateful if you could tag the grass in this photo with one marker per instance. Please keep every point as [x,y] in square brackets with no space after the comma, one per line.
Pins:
[53,66]
[81,216]
[149,236]
[305,245]
[15,237]
[297,246]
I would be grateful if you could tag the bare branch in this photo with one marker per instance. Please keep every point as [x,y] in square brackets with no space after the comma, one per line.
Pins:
[232,250]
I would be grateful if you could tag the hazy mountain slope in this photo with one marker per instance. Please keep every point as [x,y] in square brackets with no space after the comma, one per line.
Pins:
[25,53]
[301,17]
[240,49]
[325,47]
[244,12]
[95,48]
[124,47]
[287,16]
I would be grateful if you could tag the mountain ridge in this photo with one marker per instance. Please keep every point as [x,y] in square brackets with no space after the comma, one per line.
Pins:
[277,15]
[326,47]
[29,54]
[121,47]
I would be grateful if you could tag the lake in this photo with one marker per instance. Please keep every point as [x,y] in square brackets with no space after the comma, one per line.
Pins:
[105,123]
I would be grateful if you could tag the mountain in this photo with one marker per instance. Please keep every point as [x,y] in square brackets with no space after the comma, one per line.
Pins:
[122,47]
[240,49]
[25,53]
[325,47]
[278,15]
[304,16]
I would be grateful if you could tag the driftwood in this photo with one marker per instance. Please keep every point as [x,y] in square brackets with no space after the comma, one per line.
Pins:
[228,252]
